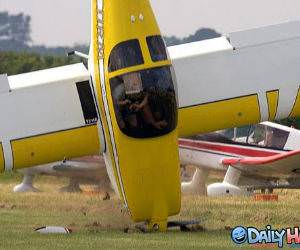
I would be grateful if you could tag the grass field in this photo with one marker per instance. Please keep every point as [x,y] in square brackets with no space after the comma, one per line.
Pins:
[99,224]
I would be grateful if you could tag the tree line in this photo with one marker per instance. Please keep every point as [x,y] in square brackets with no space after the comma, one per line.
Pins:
[15,35]
[18,55]
[13,63]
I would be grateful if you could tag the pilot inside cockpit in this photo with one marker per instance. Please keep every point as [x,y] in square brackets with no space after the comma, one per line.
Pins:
[144,100]
[134,104]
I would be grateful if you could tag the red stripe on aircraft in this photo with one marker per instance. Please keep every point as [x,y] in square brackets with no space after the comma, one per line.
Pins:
[229,149]
[260,160]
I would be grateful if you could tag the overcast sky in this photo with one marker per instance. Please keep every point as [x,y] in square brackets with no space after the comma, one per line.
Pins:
[65,22]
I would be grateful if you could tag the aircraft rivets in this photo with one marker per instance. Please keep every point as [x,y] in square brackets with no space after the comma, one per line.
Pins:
[32,154]
[141,17]
[132,18]
[240,114]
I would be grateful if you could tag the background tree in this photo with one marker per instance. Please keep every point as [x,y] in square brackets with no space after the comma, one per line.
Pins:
[12,63]
[199,35]
[14,31]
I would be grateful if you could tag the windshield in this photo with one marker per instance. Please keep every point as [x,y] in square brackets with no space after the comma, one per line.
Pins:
[269,137]
[125,54]
[144,102]
[257,135]
[157,48]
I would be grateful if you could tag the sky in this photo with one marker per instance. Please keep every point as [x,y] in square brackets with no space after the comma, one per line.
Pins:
[67,22]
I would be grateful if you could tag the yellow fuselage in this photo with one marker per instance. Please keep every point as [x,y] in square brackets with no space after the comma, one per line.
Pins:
[146,169]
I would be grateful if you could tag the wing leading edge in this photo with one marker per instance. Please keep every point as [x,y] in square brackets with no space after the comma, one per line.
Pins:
[280,165]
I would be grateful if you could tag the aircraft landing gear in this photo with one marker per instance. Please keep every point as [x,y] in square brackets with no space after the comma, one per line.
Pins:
[26,185]
[152,227]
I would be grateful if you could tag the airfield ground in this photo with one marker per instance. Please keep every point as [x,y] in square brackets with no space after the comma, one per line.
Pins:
[99,224]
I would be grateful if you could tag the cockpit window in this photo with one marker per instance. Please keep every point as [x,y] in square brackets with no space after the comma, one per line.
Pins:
[258,135]
[157,48]
[125,54]
[238,135]
[145,103]
[269,137]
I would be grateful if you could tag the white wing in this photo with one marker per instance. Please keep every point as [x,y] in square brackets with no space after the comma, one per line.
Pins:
[249,77]
[47,115]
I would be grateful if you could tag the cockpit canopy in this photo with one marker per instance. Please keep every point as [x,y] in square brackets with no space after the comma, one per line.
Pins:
[129,53]
[261,135]
[144,100]
[157,48]
[125,54]
[145,103]
[256,135]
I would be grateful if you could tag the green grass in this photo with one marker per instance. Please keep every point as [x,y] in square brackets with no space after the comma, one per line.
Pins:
[99,224]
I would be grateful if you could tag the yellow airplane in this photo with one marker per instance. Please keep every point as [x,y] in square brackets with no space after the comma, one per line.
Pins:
[129,107]
[132,151]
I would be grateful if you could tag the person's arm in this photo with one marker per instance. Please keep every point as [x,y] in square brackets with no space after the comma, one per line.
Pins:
[124,102]
[138,107]
[144,102]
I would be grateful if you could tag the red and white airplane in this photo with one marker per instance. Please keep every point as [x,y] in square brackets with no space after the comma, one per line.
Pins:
[262,156]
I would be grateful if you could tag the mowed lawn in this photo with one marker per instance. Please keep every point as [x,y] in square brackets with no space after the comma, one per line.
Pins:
[99,224]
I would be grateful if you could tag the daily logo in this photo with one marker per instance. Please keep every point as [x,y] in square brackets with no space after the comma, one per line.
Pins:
[253,236]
